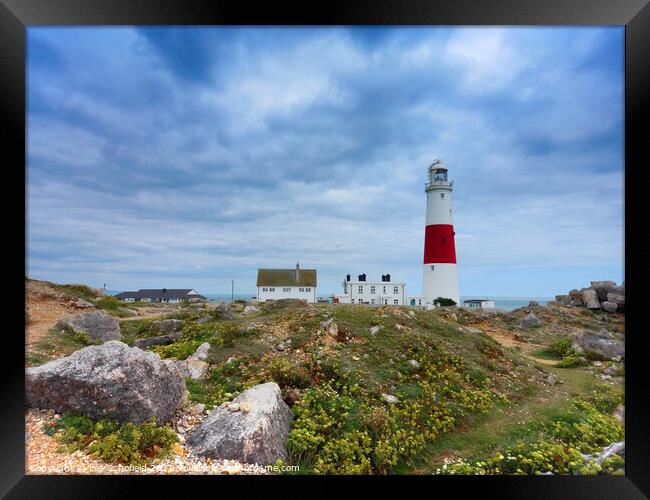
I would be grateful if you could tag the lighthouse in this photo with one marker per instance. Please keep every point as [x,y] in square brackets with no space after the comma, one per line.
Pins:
[439,274]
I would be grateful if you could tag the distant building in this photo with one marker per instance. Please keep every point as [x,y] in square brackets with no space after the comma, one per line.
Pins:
[171,295]
[274,284]
[479,303]
[362,291]
[415,300]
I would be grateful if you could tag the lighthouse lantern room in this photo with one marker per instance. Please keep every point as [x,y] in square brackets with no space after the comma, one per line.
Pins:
[440,278]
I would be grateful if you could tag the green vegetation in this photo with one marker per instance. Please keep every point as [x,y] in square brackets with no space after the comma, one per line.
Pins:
[442,301]
[464,400]
[560,443]
[56,344]
[113,442]
[76,290]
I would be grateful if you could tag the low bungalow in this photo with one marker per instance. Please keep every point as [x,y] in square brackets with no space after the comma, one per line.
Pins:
[160,295]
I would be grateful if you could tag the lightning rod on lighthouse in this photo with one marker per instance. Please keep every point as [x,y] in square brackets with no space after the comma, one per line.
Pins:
[440,278]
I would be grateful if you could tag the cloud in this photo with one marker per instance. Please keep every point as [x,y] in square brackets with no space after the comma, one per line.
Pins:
[189,157]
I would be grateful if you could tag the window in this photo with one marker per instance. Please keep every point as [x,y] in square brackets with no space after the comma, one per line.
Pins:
[301,289]
[384,289]
[271,289]
[265,289]
[442,195]
[372,289]
[395,301]
[307,289]
[372,301]
[432,267]
[353,301]
[395,289]
[360,288]
[420,302]
[286,289]
[385,301]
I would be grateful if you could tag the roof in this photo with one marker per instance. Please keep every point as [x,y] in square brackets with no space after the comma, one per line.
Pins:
[160,293]
[286,277]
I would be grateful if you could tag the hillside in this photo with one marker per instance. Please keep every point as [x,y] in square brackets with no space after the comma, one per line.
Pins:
[388,389]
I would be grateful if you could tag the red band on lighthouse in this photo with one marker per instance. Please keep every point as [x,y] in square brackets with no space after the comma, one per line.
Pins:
[439,246]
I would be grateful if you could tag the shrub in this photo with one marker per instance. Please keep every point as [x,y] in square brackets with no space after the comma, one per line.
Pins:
[572,361]
[442,301]
[113,442]
[288,374]
[108,303]
[561,349]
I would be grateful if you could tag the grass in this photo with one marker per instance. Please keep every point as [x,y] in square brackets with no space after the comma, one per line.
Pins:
[56,344]
[508,425]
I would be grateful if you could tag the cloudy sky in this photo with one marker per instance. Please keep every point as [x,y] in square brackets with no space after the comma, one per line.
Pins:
[187,157]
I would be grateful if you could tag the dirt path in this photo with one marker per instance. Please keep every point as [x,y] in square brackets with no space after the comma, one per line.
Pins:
[45,307]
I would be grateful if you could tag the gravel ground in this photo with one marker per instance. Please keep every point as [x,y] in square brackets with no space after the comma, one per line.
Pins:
[42,457]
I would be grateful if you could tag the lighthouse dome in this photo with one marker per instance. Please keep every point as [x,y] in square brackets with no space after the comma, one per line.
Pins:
[438,165]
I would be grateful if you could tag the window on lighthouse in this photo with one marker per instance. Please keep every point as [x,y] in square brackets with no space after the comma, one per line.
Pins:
[442,195]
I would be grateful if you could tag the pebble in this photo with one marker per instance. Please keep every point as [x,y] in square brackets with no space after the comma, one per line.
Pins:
[233,407]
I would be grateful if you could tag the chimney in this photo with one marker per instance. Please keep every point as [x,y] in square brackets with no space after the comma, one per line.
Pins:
[347,277]
[388,277]
[297,272]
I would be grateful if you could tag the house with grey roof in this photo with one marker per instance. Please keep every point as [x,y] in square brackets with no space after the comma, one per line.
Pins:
[274,284]
[171,295]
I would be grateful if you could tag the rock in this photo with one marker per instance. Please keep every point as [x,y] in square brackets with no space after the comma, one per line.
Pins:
[160,340]
[602,288]
[533,303]
[609,306]
[565,300]
[250,310]
[331,327]
[203,319]
[611,370]
[233,407]
[551,379]
[599,344]
[111,381]
[389,398]
[96,324]
[414,363]
[531,321]
[201,352]
[257,436]
[284,345]
[590,299]
[193,368]
[576,297]
[612,449]
[375,329]
[82,304]
[223,311]
[197,409]
[166,326]
[619,413]
[618,299]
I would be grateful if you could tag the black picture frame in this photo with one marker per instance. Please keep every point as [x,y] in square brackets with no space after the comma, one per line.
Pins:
[17,15]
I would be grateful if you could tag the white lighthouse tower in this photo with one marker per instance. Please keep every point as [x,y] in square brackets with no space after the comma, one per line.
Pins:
[440,278]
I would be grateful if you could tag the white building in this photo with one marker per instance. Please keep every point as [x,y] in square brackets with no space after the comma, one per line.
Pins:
[440,278]
[372,292]
[274,284]
[479,303]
